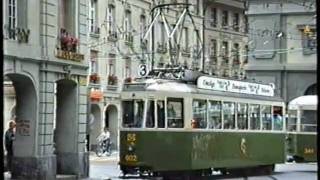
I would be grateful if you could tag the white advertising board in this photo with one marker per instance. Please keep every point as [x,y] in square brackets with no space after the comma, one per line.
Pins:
[217,84]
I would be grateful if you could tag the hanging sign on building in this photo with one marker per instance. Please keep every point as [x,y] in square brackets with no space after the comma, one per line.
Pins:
[218,84]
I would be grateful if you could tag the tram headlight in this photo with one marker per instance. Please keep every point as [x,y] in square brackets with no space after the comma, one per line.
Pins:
[130,148]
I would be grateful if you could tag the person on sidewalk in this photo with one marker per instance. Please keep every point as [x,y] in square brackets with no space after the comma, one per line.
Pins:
[9,138]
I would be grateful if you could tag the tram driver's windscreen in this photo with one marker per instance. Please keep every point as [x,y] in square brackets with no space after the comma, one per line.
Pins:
[132,115]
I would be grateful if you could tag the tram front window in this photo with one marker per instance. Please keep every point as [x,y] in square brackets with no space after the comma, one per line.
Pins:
[132,113]
[199,108]
[175,113]
[308,120]
[277,118]
[266,117]
[228,115]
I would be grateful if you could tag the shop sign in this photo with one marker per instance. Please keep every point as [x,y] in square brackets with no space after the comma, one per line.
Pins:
[218,84]
[69,55]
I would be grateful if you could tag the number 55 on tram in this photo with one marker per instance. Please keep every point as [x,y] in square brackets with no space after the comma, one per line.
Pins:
[176,127]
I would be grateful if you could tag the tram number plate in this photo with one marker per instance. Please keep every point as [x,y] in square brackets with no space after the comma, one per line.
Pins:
[131,137]
[308,151]
[131,158]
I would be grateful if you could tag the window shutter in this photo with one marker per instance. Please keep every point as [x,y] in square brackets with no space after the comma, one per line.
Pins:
[22,13]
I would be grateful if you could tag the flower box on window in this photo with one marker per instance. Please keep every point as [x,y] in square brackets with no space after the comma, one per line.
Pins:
[94,78]
[128,80]
[68,42]
[112,80]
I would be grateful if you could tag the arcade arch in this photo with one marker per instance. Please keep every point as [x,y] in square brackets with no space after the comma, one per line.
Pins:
[111,122]
[95,125]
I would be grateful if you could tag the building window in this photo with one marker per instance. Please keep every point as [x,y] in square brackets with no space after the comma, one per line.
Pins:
[236,56]
[198,7]
[309,42]
[213,17]
[246,49]
[142,26]
[94,61]
[128,68]
[185,38]
[225,19]
[246,25]
[111,67]
[127,22]
[236,22]
[196,40]
[213,48]
[93,17]
[67,21]
[162,33]
[225,48]
[12,16]
[111,19]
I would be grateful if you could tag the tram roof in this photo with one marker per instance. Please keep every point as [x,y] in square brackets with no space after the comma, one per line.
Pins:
[308,102]
[165,85]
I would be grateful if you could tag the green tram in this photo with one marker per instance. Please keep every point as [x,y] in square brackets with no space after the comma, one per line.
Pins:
[302,129]
[175,127]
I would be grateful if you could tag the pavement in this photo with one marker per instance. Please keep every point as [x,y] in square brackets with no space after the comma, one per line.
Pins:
[114,157]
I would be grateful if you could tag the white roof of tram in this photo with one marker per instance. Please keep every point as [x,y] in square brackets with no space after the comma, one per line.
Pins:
[308,102]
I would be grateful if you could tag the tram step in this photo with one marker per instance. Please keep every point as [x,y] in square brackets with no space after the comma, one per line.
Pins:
[66,177]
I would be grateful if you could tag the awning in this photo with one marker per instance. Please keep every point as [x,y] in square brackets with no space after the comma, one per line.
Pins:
[309,102]
[96,95]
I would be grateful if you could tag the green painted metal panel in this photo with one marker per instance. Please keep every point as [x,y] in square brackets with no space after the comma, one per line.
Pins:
[168,150]
[303,145]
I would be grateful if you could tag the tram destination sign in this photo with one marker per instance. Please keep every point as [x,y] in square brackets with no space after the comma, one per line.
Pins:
[217,84]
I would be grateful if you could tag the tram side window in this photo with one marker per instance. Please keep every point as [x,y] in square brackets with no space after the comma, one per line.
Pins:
[309,121]
[132,113]
[214,120]
[254,116]
[175,113]
[277,118]
[199,108]
[150,114]
[160,114]
[228,115]
[292,120]
[242,115]
[266,117]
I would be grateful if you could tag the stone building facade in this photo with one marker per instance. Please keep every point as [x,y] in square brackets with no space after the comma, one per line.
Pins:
[45,59]
[282,43]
